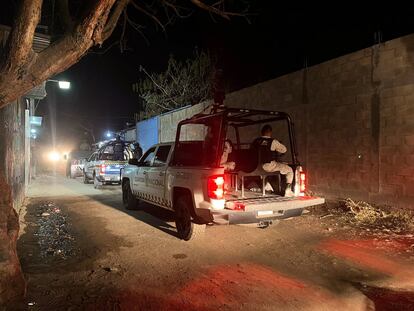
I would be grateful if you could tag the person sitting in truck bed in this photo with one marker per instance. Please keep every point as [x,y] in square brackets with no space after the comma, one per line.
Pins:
[224,161]
[268,147]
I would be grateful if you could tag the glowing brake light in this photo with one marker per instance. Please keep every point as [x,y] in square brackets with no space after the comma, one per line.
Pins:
[102,169]
[302,182]
[215,187]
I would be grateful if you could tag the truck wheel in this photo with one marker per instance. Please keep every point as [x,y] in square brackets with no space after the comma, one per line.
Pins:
[128,199]
[85,179]
[186,229]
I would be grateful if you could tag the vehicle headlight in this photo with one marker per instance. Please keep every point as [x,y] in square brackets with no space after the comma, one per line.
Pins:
[54,156]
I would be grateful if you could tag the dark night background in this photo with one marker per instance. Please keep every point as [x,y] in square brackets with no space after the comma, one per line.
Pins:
[277,41]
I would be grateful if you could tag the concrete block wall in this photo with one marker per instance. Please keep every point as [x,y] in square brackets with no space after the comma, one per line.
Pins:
[168,122]
[395,76]
[354,120]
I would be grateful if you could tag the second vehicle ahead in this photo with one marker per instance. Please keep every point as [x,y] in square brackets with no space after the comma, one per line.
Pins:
[104,166]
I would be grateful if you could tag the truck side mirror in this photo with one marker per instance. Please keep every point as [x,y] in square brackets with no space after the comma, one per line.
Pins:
[133,161]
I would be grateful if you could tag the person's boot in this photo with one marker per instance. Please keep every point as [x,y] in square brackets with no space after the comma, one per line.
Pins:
[288,191]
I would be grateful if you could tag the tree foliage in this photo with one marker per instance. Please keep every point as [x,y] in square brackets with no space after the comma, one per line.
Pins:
[182,83]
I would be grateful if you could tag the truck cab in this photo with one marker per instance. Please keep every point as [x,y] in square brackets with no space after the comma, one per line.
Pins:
[188,177]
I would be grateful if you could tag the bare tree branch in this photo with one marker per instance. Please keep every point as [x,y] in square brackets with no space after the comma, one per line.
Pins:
[181,84]
[122,38]
[214,10]
[153,17]
[175,9]
[113,19]
[136,27]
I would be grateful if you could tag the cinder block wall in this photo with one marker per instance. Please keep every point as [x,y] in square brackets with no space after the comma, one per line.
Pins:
[168,122]
[354,119]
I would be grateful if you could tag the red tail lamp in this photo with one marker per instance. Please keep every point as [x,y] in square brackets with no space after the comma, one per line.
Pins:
[102,169]
[215,187]
[302,182]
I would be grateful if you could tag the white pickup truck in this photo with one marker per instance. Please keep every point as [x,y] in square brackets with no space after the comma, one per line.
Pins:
[187,178]
[104,165]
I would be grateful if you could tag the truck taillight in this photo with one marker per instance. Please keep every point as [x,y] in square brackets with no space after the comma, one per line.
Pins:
[302,182]
[215,187]
[102,168]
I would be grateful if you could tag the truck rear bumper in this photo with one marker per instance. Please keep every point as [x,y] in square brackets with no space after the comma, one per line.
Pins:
[265,210]
[109,178]
[252,217]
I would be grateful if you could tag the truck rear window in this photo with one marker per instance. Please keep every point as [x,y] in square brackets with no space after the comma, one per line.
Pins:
[198,144]
[114,152]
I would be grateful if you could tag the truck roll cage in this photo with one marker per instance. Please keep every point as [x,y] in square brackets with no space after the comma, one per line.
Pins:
[236,118]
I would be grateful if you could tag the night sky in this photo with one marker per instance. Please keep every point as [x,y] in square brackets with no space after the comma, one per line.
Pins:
[276,42]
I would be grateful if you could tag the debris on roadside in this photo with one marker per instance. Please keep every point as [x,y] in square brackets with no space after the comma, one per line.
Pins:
[54,236]
[386,219]
[325,216]
[370,218]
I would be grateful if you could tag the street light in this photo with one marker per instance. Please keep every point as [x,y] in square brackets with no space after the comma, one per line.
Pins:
[108,134]
[62,84]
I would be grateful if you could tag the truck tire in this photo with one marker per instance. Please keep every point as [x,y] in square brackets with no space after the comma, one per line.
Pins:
[129,201]
[186,229]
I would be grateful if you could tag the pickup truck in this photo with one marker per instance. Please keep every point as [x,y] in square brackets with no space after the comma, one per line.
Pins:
[104,165]
[186,176]
[75,163]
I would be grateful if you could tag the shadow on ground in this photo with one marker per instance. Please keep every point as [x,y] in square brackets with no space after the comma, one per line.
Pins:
[152,215]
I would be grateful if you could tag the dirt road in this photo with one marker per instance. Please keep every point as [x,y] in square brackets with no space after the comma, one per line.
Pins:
[80,250]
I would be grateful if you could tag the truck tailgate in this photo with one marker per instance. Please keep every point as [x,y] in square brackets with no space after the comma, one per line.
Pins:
[279,203]
[257,209]
[113,167]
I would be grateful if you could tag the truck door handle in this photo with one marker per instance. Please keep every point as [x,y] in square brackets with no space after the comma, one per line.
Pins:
[145,173]
[162,173]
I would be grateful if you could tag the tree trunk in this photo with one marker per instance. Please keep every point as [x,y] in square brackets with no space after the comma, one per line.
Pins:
[12,283]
